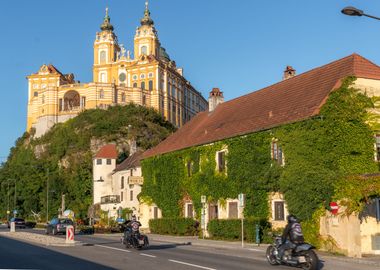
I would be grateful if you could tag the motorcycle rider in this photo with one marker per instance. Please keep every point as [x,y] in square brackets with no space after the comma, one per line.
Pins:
[133,228]
[291,237]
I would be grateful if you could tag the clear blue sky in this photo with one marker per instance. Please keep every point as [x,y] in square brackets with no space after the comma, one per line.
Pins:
[238,46]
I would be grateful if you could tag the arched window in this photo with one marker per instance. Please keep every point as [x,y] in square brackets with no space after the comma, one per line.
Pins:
[144,100]
[122,97]
[101,93]
[135,84]
[122,182]
[143,85]
[150,85]
[103,77]
[103,55]
[144,50]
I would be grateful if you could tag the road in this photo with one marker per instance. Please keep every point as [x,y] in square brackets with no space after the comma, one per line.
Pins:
[107,252]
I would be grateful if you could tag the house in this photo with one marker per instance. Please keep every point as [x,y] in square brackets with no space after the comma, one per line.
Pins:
[284,146]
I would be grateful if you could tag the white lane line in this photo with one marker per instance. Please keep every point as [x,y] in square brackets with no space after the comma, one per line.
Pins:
[194,265]
[148,255]
[119,249]
[254,249]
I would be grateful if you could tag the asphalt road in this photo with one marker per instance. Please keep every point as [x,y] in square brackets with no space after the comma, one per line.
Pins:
[106,252]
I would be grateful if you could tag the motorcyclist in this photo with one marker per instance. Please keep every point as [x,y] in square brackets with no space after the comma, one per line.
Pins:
[291,237]
[132,231]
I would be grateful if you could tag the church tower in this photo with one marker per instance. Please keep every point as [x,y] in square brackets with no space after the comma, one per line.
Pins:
[146,40]
[106,49]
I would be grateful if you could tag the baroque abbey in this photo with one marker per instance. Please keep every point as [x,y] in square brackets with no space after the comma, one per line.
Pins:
[149,78]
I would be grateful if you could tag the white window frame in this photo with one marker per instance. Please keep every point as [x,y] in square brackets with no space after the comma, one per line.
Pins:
[103,76]
[272,150]
[225,151]
[273,210]
[186,210]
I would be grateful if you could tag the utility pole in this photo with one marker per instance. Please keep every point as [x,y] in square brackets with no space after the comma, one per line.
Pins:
[47,195]
[15,206]
[63,204]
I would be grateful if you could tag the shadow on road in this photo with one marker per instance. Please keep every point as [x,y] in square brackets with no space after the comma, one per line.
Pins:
[166,246]
[19,255]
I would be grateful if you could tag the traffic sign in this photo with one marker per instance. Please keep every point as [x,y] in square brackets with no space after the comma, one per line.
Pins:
[69,234]
[334,208]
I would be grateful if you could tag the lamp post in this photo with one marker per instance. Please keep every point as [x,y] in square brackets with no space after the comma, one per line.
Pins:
[352,11]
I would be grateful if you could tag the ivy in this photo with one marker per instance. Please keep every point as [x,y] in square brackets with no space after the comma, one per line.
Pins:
[318,152]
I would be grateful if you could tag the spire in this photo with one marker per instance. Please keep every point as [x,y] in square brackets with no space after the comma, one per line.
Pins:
[146,20]
[106,25]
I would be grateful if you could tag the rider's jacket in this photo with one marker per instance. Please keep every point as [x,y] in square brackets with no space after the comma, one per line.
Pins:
[134,225]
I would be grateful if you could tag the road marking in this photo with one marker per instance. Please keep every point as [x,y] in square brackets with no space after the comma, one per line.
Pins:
[119,249]
[194,265]
[254,249]
[148,255]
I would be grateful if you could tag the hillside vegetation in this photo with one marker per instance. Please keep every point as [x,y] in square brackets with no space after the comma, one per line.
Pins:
[60,162]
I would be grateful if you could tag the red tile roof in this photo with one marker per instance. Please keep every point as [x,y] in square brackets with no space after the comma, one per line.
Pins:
[291,100]
[130,162]
[107,151]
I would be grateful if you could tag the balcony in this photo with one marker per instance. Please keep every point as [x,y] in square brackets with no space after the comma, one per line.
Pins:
[110,199]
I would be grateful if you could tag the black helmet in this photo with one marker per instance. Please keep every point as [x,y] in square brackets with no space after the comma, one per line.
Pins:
[291,218]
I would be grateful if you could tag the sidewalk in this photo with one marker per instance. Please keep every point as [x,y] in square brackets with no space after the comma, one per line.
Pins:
[236,245]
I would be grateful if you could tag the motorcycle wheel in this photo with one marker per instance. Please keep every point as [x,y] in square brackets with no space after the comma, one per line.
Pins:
[311,260]
[270,255]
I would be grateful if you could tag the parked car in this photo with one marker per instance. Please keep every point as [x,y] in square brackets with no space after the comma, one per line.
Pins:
[58,225]
[19,223]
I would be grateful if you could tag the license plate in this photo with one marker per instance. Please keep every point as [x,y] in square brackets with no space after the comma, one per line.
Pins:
[301,259]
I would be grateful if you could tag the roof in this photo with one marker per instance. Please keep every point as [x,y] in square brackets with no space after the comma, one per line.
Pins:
[107,151]
[291,100]
[132,161]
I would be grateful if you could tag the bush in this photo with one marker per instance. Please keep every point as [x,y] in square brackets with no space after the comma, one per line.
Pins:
[84,229]
[230,229]
[174,226]
[40,226]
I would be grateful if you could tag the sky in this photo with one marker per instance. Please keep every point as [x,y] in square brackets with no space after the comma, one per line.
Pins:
[239,46]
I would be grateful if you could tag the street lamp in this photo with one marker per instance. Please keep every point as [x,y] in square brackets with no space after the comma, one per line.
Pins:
[352,11]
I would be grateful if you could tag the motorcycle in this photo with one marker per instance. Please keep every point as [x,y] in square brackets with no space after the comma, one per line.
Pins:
[136,240]
[302,256]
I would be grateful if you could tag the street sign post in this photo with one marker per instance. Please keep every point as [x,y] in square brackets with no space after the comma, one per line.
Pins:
[203,216]
[241,198]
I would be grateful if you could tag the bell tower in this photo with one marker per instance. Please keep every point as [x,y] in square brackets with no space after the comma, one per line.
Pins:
[146,40]
[106,49]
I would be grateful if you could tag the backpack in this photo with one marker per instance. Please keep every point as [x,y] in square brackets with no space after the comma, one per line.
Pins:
[296,234]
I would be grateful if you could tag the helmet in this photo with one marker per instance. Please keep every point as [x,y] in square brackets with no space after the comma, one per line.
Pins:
[133,218]
[291,218]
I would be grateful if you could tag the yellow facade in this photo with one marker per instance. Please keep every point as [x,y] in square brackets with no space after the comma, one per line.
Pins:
[148,77]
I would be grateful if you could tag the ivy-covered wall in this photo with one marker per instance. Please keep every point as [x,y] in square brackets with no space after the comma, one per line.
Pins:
[318,152]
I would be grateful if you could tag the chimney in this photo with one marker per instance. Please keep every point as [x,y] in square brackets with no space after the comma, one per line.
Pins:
[215,98]
[289,73]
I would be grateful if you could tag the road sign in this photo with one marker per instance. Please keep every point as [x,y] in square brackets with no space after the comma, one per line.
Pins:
[334,208]
[69,234]
[241,198]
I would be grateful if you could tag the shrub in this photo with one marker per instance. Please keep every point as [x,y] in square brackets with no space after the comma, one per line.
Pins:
[83,229]
[230,229]
[174,226]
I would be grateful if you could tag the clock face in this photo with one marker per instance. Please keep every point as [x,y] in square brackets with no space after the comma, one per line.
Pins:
[43,86]
[122,77]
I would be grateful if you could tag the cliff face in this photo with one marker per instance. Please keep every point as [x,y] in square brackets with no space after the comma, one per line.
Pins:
[63,156]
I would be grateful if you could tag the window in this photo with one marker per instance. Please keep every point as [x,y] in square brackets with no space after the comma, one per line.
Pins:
[131,172]
[123,97]
[150,87]
[103,77]
[142,76]
[83,102]
[221,161]
[212,211]
[122,182]
[121,196]
[143,85]
[99,161]
[60,104]
[109,162]
[277,154]
[101,93]
[232,210]
[134,77]
[377,146]
[189,166]
[279,210]
[135,84]
[155,212]
[131,195]
[189,210]
[150,75]
[144,50]
[377,207]
[35,94]
[103,55]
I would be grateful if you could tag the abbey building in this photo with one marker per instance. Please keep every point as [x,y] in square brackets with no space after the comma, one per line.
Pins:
[148,77]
